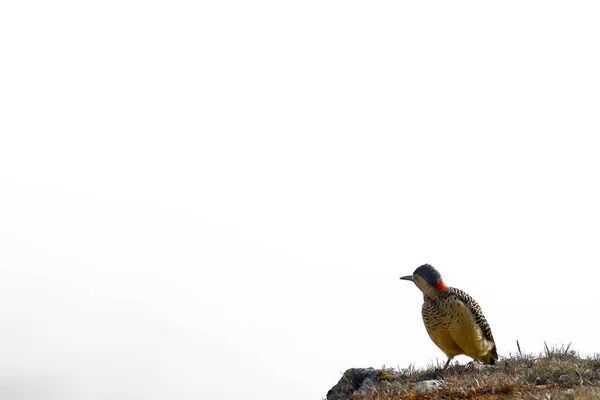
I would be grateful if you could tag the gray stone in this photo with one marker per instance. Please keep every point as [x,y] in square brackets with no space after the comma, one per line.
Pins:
[366,383]
[428,386]
[353,380]
[541,381]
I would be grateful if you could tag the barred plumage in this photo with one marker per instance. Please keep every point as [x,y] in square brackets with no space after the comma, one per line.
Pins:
[453,319]
[475,310]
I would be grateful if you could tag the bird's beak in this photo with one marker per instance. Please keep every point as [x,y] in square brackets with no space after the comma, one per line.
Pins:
[408,278]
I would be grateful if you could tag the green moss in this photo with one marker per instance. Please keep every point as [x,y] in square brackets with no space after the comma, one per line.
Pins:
[385,376]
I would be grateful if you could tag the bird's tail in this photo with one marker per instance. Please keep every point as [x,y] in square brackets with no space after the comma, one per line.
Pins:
[493,355]
[490,357]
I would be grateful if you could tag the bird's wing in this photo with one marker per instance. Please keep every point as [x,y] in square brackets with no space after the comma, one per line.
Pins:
[475,310]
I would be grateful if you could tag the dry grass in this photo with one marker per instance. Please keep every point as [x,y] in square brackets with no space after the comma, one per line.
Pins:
[558,373]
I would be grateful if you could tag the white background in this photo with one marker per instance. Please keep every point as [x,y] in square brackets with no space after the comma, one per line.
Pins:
[215,200]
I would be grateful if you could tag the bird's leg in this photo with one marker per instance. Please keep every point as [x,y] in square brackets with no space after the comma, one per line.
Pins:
[446,366]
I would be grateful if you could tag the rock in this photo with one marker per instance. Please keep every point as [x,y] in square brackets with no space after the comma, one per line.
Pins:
[366,384]
[591,375]
[541,381]
[428,386]
[478,366]
[353,379]
[570,379]
[563,378]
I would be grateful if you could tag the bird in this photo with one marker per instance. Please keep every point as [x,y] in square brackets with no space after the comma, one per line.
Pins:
[453,319]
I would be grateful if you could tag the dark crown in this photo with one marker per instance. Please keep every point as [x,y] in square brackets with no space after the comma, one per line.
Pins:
[430,274]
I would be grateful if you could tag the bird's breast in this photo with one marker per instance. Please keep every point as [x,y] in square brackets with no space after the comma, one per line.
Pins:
[452,327]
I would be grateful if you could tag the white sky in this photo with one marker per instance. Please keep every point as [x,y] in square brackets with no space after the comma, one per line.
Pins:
[215,200]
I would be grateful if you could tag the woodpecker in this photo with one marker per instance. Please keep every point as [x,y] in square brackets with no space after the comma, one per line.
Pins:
[453,319]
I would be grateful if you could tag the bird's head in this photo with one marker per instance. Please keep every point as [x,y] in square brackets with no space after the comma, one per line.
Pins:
[428,279]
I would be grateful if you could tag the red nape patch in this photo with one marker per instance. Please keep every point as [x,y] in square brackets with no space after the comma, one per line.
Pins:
[441,285]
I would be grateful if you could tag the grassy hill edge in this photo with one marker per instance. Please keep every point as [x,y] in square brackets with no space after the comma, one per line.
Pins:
[558,373]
